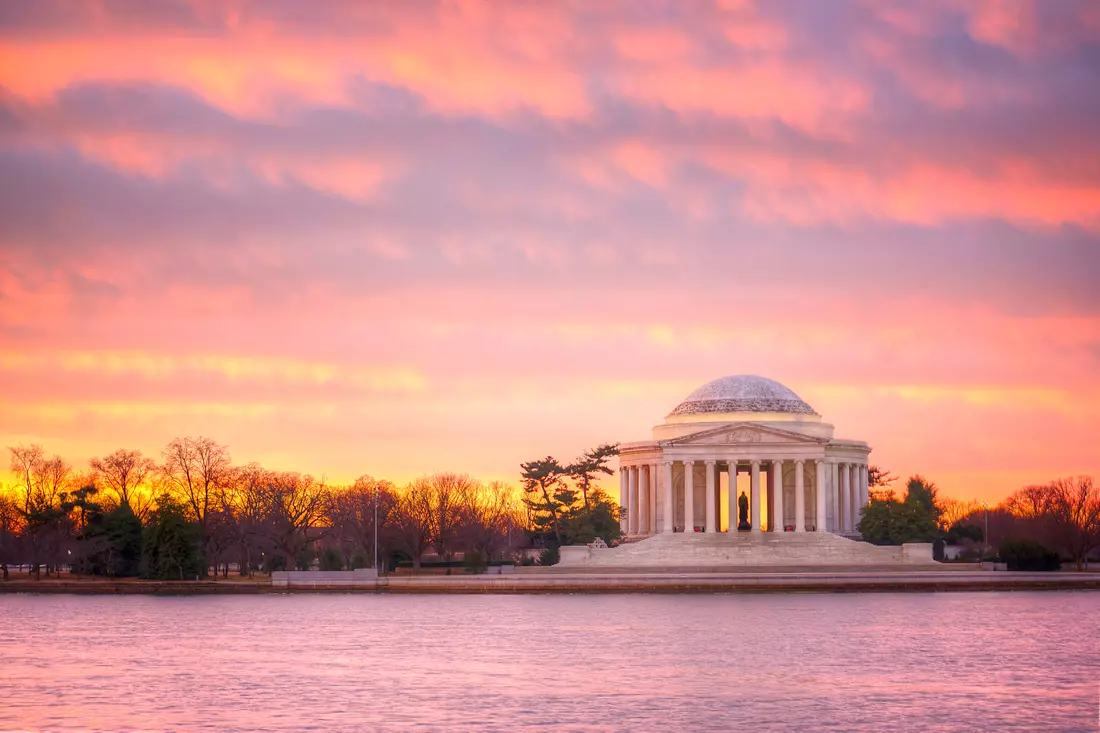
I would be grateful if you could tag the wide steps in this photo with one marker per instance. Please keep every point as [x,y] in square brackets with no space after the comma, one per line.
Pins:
[745,549]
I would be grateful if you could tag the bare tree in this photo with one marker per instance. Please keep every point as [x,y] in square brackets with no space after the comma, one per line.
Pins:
[448,495]
[43,483]
[197,470]
[1075,511]
[1031,502]
[25,463]
[53,480]
[124,472]
[956,510]
[296,507]
[491,519]
[352,512]
[1064,514]
[412,523]
[10,526]
[245,507]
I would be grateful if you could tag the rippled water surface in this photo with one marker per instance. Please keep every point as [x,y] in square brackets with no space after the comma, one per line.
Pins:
[968,662]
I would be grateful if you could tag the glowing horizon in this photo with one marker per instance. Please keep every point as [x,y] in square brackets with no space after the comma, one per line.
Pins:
[405,238]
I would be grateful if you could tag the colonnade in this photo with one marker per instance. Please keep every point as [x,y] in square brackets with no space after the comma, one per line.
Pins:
[840,491]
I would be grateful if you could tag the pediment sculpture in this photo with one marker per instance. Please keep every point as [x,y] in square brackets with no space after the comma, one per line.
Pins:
[743,435]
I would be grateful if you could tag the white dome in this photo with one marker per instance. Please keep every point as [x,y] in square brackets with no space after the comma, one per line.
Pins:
[742,393]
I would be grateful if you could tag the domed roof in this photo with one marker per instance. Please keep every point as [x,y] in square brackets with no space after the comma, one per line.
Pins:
[742,393]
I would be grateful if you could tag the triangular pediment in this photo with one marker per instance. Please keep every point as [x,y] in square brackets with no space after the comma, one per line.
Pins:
[742,433]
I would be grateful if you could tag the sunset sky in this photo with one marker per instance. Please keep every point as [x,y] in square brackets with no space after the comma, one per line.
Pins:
[401,237]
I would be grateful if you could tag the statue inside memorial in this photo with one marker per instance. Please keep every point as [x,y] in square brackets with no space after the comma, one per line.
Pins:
[743,513]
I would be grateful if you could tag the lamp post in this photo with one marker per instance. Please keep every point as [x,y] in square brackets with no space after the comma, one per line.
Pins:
[985,535]
[376,570]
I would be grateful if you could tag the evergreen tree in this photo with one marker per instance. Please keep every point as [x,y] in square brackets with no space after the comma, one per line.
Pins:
[589,466]
[887,521]
[572,515]
[600,519]
[546,494]
[920,491]
[170,546]
[122,531]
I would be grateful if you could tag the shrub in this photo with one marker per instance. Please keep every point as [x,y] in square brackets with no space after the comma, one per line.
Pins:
[360,560]
[549,556]
[170,544]
[1028,555]
[475,562]
[960,532]
[331,559]
[969,554]
[303,558]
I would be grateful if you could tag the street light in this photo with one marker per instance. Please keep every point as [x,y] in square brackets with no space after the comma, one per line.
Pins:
[376,571]
[985,535]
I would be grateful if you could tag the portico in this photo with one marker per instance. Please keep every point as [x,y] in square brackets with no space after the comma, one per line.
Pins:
[750,435]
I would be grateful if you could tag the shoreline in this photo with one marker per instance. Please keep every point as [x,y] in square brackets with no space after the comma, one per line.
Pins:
[679,582]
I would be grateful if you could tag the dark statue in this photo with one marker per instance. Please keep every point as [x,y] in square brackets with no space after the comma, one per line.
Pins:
[743,513]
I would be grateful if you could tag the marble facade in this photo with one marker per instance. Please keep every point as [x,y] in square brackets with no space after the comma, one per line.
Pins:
[794,468]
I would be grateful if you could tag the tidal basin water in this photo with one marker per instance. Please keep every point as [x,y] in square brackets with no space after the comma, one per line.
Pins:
[953,661]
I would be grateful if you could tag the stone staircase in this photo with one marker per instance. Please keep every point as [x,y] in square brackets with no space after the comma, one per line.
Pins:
[746,549]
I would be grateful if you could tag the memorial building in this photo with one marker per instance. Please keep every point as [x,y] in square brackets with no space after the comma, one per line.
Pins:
[742,472]
[744,437]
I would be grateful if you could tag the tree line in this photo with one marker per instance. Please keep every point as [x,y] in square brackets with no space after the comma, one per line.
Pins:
[1061,517]
[194,512]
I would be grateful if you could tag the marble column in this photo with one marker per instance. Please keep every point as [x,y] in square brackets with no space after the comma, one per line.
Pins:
[666,520]
[864,488]
[689,496]
[778,523]
[858,511]
[718,496]
[632,502]
[769,498]
[754,500]
[630,478]
[643,499]
[819,493]
[854,491]
[834,494]
[624,492]
[635,501]
[710,497]
[731,478]
[799,498]
[652,499]
[846,507]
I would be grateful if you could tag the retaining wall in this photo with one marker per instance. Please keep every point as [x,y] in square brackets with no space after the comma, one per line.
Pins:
[323,578]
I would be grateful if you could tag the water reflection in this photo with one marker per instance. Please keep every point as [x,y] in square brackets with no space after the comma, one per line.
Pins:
[1021,661]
